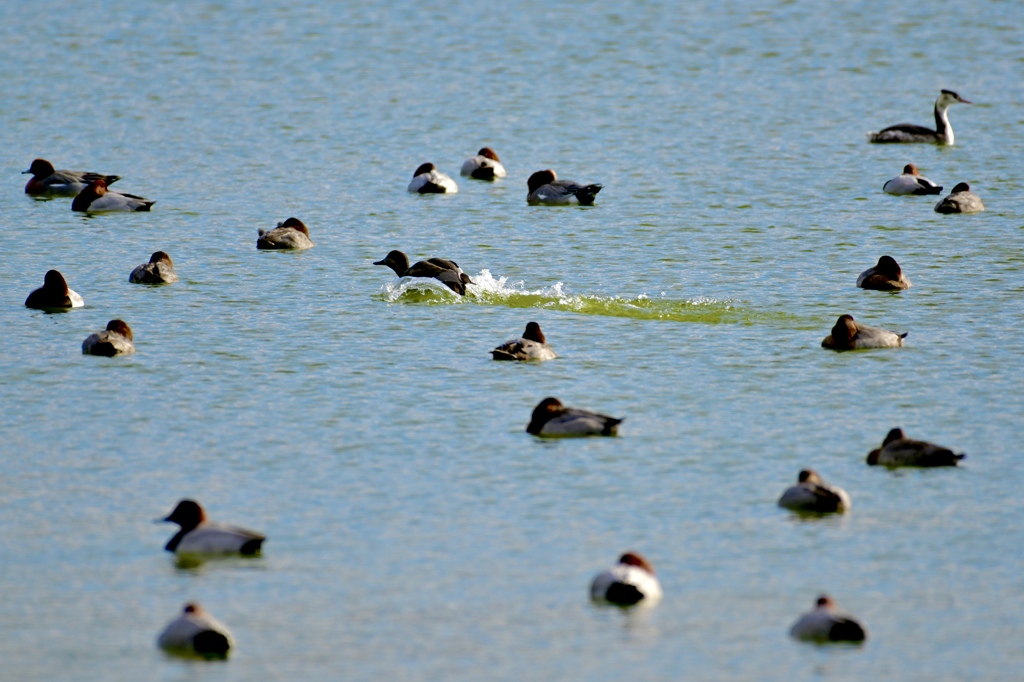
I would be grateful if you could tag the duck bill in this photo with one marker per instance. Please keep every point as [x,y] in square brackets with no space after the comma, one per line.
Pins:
[379,262]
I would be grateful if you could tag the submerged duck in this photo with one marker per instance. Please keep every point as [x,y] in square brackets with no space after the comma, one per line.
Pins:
[532,346]
[825,623]
[899,451]
[196,633]
[484,166]
[96,198]
[628,582]
[446,271]
[908,132]
[116,339]
[546,189]
[54,294]
[847,334]
[428,180]
[886,275]
[911,182]
[47,180]
[811,494]
[199,536]
[960,200]
[551,419]
[159,270]
[290,234]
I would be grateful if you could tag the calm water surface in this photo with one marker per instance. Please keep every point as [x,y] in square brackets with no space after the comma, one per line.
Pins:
[415,531]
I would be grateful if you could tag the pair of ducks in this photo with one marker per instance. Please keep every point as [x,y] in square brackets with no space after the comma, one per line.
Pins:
[632,581]
[89,189]
[911,182]
[55,294]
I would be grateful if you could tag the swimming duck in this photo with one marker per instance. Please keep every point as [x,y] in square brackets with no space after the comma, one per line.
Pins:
[811,494]
[551,419]
[545,188]
[897,450]
[847,334]
[484,166]
[54,294]
[196,633]
[96,198]
[825,623]
[960,200]
[628,582]
[446,271]
[290,234]
[911,182]
[199,536]
[159,270]
[428,180]
[47,180]
[908,132]
[116,339]
[886,275]
[532,346]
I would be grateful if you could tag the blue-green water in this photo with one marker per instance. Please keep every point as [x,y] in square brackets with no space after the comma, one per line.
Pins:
[415,531]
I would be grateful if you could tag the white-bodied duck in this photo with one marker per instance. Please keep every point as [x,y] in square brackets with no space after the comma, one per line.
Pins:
[825,623]
[811,494]
[911,182]
[628,582]
[847,334]
[200,536]
[484,166]
[428,180]
[532,346]
[899,451]
[196,633]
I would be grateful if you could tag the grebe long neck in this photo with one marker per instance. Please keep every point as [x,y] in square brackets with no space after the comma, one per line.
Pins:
[942,126]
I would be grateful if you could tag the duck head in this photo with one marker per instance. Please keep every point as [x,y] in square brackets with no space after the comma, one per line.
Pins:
[188,514]
[295,224]
[636,559]
[541,178]
[533,333]
[120,327]
[397,261]
[489,153]
[40,168]
[424,168]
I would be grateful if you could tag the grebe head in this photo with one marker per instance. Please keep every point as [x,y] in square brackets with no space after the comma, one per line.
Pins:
[947,97]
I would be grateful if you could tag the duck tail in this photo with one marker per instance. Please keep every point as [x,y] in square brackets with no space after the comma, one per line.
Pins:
[587,194]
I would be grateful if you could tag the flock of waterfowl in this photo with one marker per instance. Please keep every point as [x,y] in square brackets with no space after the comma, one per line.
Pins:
[632,579]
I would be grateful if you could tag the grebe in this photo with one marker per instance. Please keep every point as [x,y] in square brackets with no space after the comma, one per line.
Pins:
[908,132]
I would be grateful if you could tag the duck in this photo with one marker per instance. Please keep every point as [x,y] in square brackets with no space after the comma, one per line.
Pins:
[428,180]
[196,633]
[199,536]
[291,234]
[908,132]
[96,198]
[825,623]
[897,450]
[48,181]
[116,339]
[911,182]
[484,166]
[546,189]
[531,346]
[811,494]
[551,419]
[628,582]
[445,271]
[159,270]
[886,275]
[54,294]
[960,200]
[847,334]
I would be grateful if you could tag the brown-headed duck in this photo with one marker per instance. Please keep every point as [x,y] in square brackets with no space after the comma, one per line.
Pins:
[886,275]
[428,180]
[811,494]
[825,623]
[116,339]
[200,536]
[911,182]
[48,181]
[551,419]
[899,451]
[54,294]
[96,198]
[628,582]
[484,166]
[847,334]
[544,188]
[532,346]
[446,271]
[292,234]
[159,270]
[196,633]
[960,200]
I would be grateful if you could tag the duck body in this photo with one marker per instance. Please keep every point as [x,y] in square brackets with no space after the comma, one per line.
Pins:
[847,334]
[159,270]
[910,133]
[886,275]
[551,419]
[96,198]
[911,182]
[201,536]
[628,582]
[196,633]
[443,270]
[899,451]
[545,189]
[811,494]
[532,346]
[46,180]
[116,339]
[825,623]
[291,234]
[960,200]
[484,166]
[54,294]
[428,180]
